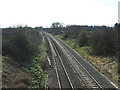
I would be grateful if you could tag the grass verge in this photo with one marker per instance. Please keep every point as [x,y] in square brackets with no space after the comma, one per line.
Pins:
[37,68]
[106,65]
[29,75]
[14,76]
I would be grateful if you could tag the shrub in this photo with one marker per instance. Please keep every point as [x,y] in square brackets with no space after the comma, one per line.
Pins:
[18,47]
[103,42]
[83,39]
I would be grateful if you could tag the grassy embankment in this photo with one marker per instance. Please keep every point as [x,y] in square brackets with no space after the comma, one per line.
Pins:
[106,65]
[29,76]
[13,75]
[37,69]
[23,59]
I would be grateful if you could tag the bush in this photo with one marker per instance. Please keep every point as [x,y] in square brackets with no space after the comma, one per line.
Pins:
[83,39]
[104,42]
[17,47]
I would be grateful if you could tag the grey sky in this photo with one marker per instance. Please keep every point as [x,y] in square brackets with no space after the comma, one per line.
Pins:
[44,12]
[119,12]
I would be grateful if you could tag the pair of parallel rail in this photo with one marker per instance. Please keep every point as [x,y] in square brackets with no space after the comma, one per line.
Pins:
[64,81]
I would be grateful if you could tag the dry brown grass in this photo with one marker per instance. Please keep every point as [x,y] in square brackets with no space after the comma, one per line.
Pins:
[14,76]
[106,65]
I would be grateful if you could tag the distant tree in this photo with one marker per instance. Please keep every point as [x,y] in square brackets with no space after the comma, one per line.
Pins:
[56,25]
[39,28]
[66,35]
[82,39]
[103,42]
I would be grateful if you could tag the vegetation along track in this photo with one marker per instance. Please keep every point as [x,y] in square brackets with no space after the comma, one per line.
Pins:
[85,77]
[87,80]
[62,75]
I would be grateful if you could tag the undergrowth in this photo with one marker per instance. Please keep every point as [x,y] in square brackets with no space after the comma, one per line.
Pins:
[37,68]
[106,65]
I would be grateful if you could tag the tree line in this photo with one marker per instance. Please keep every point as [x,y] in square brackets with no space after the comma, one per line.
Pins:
[103,40]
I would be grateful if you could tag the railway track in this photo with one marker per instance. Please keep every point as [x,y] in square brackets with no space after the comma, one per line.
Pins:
[64,77]
[87,80]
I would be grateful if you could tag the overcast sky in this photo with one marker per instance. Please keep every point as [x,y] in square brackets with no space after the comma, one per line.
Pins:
[45,12]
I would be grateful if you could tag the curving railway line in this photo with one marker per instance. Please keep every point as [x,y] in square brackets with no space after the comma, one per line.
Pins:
[70,72]
[61,73]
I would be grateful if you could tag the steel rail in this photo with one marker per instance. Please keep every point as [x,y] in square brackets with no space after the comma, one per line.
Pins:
[54,54]
[56,70]
[71,86]
[99,86]
[84,70]
[77,60]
